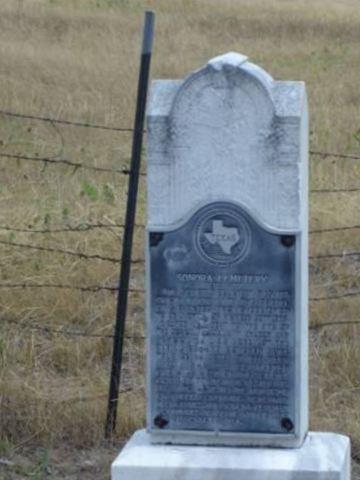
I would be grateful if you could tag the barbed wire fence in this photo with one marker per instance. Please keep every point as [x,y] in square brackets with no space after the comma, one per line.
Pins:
[89,226]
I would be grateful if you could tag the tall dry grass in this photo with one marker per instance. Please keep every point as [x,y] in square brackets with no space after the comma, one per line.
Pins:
[78,60]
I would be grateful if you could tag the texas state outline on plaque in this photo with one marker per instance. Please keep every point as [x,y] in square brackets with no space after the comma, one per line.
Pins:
[225,237]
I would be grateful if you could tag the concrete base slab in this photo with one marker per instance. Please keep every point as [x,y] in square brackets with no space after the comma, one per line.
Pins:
[323,456]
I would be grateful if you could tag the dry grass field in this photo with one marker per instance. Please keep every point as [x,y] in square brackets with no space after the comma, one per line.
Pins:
[78,60]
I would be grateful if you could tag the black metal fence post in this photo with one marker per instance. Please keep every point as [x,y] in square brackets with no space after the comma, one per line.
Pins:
[129,224]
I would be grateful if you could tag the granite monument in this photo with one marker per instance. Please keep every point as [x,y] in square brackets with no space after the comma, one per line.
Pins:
[227,258]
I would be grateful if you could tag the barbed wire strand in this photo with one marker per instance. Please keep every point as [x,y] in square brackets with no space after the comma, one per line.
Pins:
[345,156]
[334,229]
[64,330]
[337,296]
[138,260]
[81,255]
[64,161]
[335,190]
[77,228]
[334,255]
[318,326]
[82,227]
[90,288]
[65,122]
[85,227]
[110,288]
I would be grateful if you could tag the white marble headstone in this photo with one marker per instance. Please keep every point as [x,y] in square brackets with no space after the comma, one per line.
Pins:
[227,212]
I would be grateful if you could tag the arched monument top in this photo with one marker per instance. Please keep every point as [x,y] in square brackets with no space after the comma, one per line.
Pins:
[229,65]
[227,131]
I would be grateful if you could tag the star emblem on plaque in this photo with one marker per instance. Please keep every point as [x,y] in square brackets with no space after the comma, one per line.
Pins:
[222,236]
